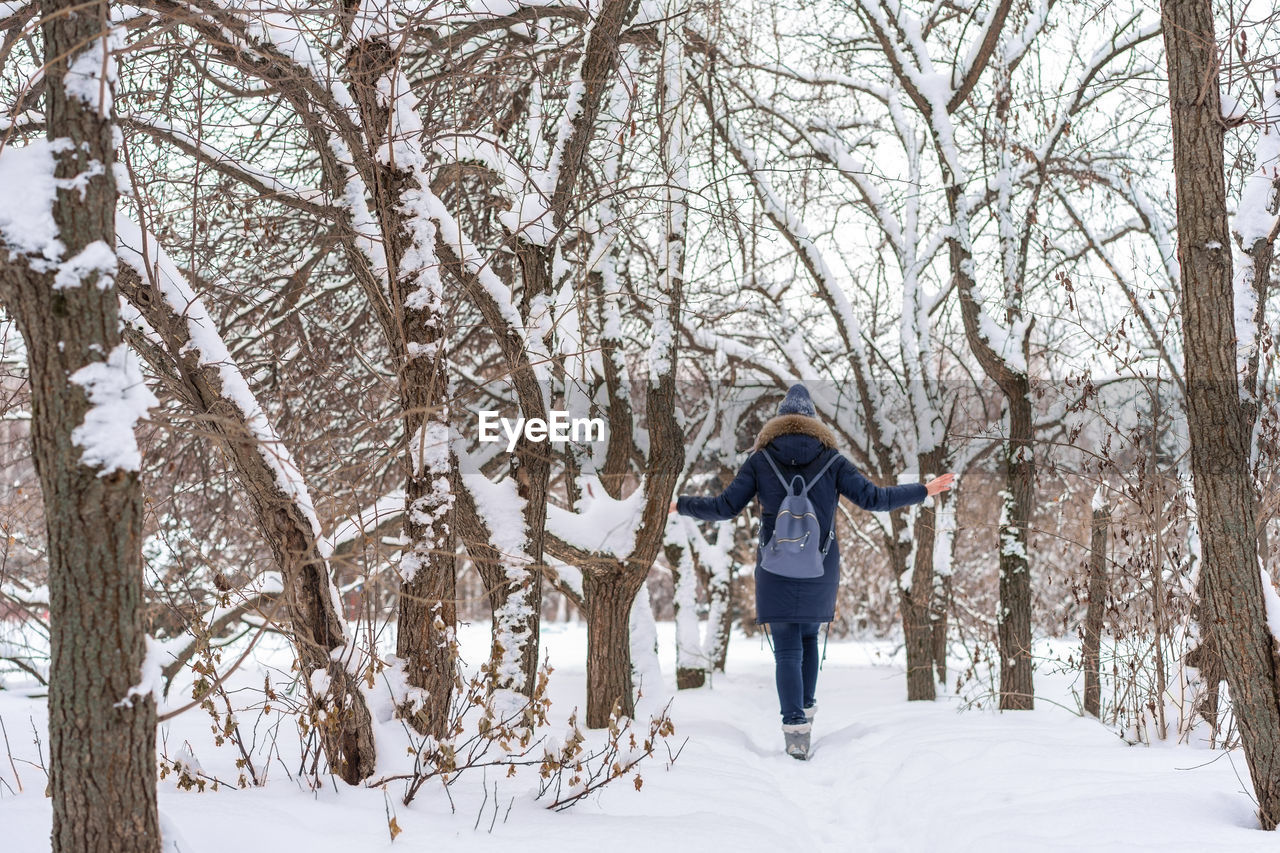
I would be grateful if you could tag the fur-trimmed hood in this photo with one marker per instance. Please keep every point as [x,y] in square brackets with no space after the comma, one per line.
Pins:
[794,425]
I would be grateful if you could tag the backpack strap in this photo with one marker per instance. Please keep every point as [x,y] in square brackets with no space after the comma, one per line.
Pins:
[835,454]
[774,465]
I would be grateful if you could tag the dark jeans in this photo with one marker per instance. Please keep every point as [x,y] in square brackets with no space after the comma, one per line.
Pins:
[795,655]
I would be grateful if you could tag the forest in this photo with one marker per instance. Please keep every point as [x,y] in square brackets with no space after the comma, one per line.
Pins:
[354,353]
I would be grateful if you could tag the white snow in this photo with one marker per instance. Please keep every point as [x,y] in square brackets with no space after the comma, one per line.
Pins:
[118,399]
[602,524]
[1256,219]
[886,775]
[498,503]
[26,205]
[91,73]
[363,522]
[1232,108]
[151,682]
[1271,603]
[96,260]
[1256,216]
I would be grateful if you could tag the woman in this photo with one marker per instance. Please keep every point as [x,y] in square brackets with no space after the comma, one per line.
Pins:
[794,609]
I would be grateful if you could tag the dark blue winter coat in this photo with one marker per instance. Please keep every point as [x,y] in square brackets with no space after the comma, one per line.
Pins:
[799,445]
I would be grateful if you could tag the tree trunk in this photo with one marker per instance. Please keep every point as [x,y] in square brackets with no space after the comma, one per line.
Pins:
[1016,690]
[427,617]
[1014,618]
[917,630]
[1218,426]
[941,609]
[427,609]
[917,601]
[102,774]
[1093,613]
[691,670]
[428,567]
[513,661]
[607,598]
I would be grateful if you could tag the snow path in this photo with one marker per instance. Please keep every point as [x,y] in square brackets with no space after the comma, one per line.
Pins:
[885,775]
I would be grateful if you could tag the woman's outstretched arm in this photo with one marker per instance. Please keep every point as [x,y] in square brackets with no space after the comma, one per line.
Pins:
[869,496]
[728,503]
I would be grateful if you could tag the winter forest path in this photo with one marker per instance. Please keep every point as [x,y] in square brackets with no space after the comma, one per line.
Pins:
[888,775]
[885,775]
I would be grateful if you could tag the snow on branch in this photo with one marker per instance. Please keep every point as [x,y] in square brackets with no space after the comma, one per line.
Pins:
[363,523]
[143,253]
[602,524]
[261,181]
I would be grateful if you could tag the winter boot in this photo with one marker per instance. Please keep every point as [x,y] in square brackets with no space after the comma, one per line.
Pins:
[811,711]
[797,736]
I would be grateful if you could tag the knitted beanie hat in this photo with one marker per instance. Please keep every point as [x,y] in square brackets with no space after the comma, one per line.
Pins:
[797,402]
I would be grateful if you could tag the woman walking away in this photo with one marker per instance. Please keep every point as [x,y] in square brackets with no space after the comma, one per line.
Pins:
[799,476]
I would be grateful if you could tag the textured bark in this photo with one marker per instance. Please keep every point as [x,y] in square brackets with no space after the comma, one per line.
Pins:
[917,602]
[427,611]
[1093,613]
[1016,690]
[916,631]
[687,677]
[941,607]
[1218,424]
[102,771]
[608,597]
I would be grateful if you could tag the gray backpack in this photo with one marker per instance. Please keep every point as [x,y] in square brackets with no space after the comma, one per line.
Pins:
[796,549]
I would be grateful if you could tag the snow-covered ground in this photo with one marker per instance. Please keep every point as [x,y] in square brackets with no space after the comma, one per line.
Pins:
[885,776]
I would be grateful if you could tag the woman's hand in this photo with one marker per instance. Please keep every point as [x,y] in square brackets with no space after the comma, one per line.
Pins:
[938,485]
[671,510]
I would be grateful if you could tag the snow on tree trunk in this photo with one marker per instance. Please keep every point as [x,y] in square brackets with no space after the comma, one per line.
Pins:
[691,670]
[1218,423]
[1097,602]
[87,394]
[718,561]
[1016,689]
[427,620]
[917,597]
[491,518]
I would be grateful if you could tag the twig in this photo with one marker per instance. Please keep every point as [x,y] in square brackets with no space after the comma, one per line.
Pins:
[9,751]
